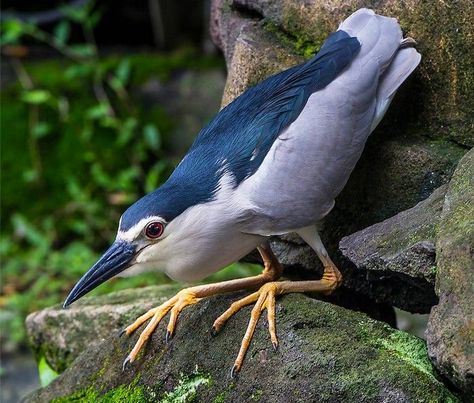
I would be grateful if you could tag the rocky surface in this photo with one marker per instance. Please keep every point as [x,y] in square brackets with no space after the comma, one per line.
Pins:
[397,257]
[60,335]
[444,80]
[451,326]
[326,354]
[108,315]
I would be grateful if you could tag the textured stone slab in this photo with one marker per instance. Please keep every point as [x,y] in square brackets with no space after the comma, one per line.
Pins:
[60,335]
[450,331]
[326,354]
[398,256]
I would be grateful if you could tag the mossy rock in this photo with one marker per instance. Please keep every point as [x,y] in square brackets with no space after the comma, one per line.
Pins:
[451,325]
[398,255]
[444,81]
[60,335]
[326,354]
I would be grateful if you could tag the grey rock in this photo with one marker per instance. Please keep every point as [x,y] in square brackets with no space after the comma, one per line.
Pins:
[60,335]
[450,332]
[398,255]
[326,354]
[443,97]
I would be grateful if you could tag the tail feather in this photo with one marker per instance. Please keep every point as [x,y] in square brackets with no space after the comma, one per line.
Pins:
[382,42]
[402,65]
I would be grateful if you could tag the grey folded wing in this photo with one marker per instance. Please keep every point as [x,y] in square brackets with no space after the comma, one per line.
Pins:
[311,160]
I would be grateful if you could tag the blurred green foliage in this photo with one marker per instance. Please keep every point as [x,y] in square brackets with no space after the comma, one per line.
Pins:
[78,147]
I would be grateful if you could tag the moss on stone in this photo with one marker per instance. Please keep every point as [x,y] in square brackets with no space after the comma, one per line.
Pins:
[351,356]
[302,45]
[187,388]
[123,393]
[220,398]
[410,349]
[451,325]
[257,395]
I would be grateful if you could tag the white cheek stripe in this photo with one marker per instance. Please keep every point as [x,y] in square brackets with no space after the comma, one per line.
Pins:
[132,233]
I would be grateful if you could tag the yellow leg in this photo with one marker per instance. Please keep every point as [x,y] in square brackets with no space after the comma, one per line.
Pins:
[265,299]
[189,296]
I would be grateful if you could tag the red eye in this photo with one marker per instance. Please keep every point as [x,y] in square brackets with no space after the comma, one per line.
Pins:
[154,230]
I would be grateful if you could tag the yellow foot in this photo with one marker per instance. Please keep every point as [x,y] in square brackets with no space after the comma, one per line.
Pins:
[175,305]
[265,299]
[332,277]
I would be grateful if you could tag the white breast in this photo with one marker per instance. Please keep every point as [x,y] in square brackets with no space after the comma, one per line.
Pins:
[205,238]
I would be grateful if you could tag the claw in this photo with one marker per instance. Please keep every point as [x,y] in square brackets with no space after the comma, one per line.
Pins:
[155,315]
[125,363]
[275,346]
[214,332]
[121,333]
[234,371]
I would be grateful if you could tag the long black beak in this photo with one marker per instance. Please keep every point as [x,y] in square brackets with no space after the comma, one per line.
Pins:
[113,261]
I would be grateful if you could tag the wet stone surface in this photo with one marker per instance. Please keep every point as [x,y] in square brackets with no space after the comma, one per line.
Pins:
[326,353]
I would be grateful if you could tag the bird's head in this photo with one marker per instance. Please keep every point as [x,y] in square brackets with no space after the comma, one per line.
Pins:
[149,232]
[134,247]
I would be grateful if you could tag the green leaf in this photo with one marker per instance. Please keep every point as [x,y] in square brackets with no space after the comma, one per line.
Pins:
[11,32]
[83,49]
[78,71]
[95,17]
[122,72]
[41,129]
[126,178]
[76,14]
[36,97]
[74,190]
[46,373]
[97,111]
[61,32]
[126,131]
[109,122]
[152,137]
[100,176]
[30,175]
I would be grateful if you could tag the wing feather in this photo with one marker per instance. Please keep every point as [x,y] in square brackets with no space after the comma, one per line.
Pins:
[244,131]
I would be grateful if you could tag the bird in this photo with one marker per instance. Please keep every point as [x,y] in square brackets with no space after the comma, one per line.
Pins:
[271,162]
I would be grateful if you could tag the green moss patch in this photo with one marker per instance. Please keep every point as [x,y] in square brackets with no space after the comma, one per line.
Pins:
[410,349]
[187,388]
[303,45]
[123,393]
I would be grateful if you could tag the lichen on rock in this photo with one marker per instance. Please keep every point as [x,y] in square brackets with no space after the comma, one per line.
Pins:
[450,331]
[326,354]
[399,256]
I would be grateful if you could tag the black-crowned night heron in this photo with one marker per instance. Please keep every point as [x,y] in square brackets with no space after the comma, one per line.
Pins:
[269,163]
